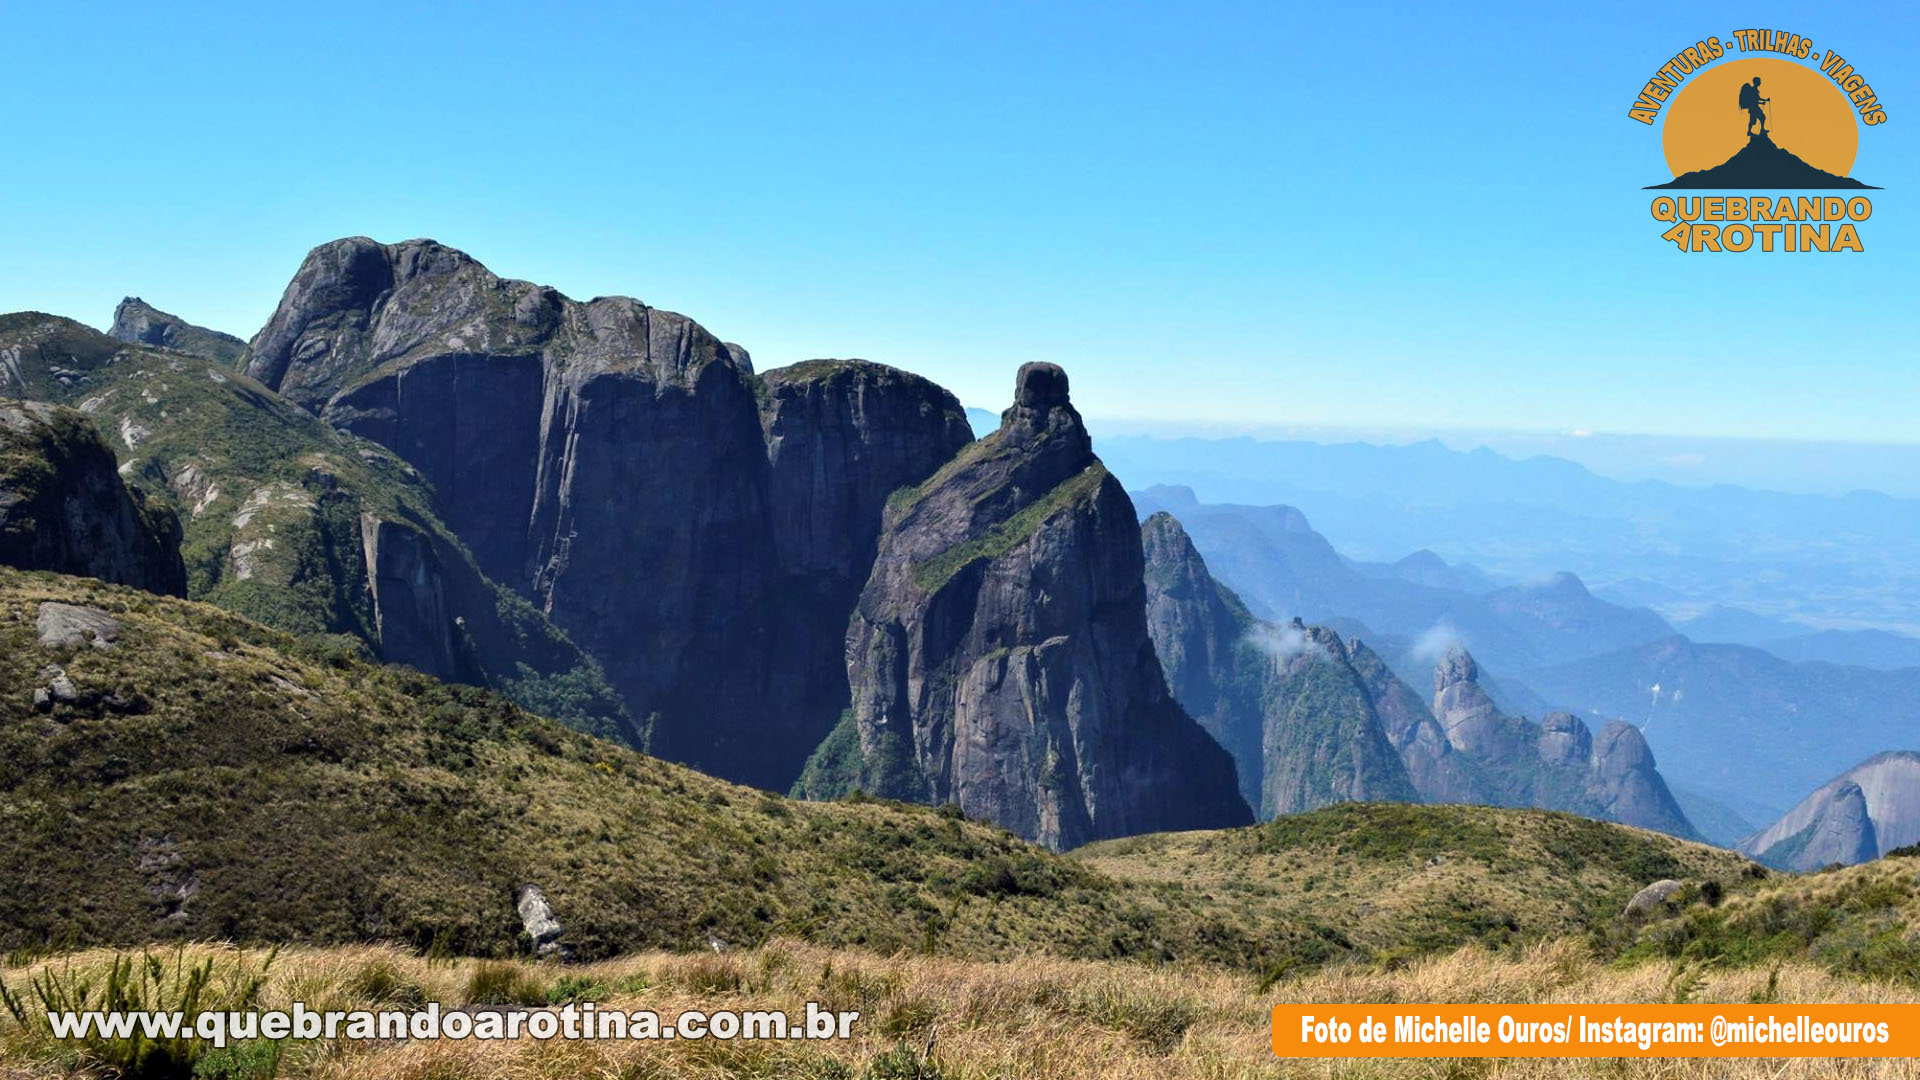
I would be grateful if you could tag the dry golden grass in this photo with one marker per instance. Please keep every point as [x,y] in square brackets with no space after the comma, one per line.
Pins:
[1034,1017]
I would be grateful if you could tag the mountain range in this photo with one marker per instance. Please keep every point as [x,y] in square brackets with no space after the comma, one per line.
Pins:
[1821,562]
[604,512]
[593,507]
[1738,731]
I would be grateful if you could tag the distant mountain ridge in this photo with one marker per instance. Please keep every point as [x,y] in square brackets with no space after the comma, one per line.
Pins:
[1521,519]
[1276,561]
[1312,719]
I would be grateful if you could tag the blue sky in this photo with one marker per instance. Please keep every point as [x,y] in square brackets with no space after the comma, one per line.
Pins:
[1411,216]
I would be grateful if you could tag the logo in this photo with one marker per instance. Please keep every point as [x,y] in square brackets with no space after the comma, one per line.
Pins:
[1764,112]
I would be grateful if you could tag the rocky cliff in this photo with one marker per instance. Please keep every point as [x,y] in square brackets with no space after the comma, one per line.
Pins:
[1286,701]
[139,323]
[294,524]
[841,436]
[700,529]
[63,507]
[1556,764]
[999,655]
[1861,814]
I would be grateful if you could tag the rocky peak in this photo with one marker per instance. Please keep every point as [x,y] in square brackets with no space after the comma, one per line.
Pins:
[1286,701]
[1861,814]
[571,442]
[1624,781]
[999,655]
[1456,668]
[356,305]
[139,323]
[1043,410]
[1556,763]
[1620,749]
[1565,740]
[1473,723]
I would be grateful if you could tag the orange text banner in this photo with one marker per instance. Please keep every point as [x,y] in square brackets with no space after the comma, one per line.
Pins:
[1775,1031]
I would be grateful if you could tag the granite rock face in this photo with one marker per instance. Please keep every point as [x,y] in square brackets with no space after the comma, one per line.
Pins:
[999,656]
[139,323]
[699,529]
[1288,702]
[841,436]
[1438,772]
[1556,764]
[1862,814]
[64,508]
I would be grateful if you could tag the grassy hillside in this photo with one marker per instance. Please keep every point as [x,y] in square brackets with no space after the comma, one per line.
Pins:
[1859,921]
[209,779]
[1382,881]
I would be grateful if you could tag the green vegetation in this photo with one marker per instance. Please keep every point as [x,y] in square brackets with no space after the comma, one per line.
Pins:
[930,574]
[504,984]
[273,502]
[1389,881]
[1857,921]
[1320,741]
[261,794]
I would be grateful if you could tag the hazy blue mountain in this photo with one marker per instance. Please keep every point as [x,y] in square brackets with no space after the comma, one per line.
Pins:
[1797,641]
[1736,626]
[1821,559]
[1737,723]
[1282,568]
[982,421]
[1862,648]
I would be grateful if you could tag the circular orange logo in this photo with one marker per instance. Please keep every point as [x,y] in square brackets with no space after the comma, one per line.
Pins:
[1760,123]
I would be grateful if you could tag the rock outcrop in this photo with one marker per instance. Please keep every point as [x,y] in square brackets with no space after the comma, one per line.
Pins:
[538,922]
[700,529]
[64,508]
[290,522]
[1650,899]
[999,656]
[1556,764]
[139,323]
[1623,779]
[1438,772]
[1860,815]
[1288,702]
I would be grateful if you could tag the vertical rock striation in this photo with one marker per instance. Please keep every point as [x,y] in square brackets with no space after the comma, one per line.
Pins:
[701,530]
[999,656]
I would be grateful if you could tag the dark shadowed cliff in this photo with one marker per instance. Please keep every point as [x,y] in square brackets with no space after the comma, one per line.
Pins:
[63,507]
[699,529]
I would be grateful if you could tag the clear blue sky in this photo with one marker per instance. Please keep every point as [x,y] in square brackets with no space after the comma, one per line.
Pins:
[1415,215]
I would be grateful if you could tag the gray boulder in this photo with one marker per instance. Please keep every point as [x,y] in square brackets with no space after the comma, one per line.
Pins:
[1650,898]
[68,626]
[542,927]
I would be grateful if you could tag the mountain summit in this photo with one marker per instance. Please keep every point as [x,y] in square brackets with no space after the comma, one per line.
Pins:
[999,656]
[1761,164]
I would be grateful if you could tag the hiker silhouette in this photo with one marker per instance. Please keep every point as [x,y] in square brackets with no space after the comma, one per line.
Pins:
[1751,101]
